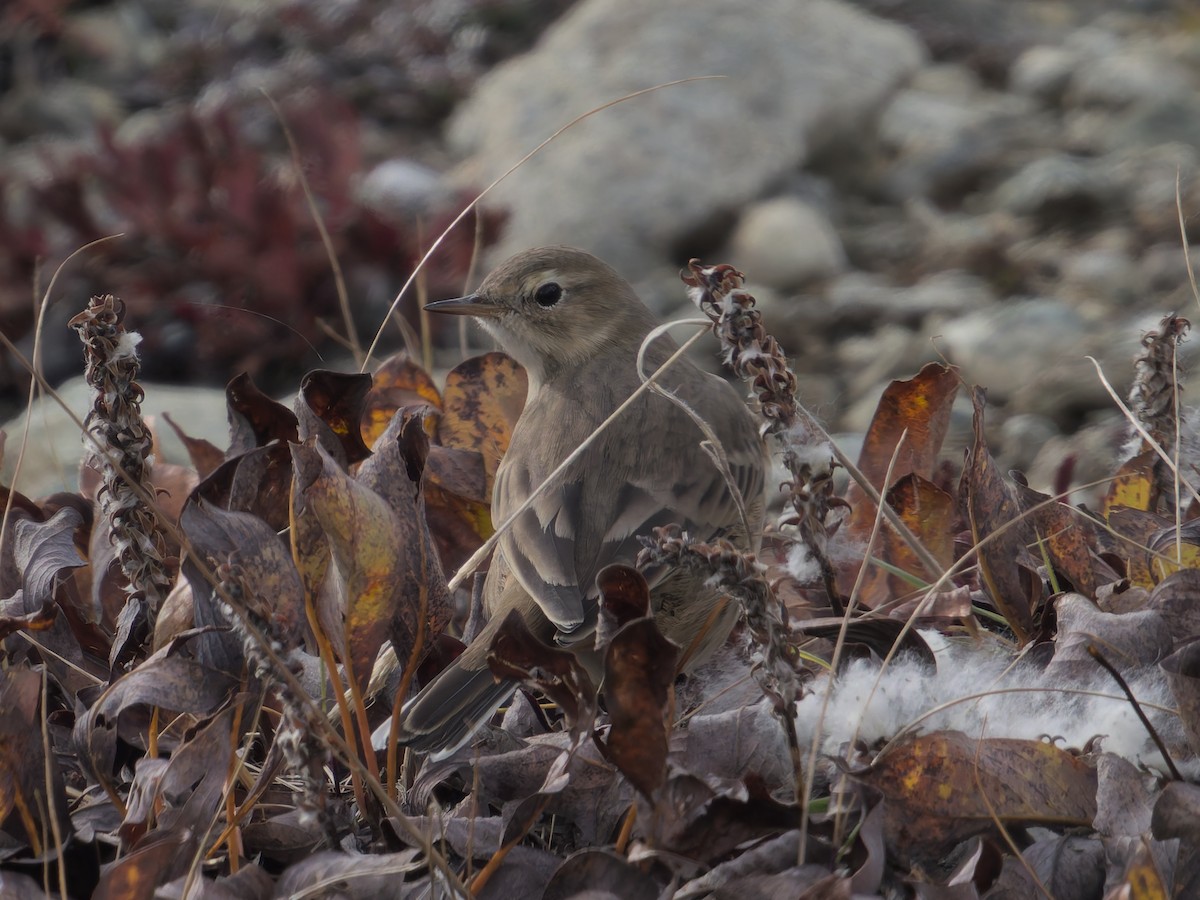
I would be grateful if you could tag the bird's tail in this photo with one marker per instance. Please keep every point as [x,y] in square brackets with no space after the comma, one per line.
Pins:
[451,708]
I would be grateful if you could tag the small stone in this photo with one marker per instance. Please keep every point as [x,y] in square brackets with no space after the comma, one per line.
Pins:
[786,242]
[1044,72]
[1022,437]
[402,187]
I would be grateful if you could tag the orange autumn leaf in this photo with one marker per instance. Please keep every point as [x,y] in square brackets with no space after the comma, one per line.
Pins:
[397,383]
[482,400]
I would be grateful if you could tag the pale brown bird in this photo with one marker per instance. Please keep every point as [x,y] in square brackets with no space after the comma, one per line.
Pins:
[576,326]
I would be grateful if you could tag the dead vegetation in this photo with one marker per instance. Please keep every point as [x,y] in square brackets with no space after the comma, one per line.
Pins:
[187,707]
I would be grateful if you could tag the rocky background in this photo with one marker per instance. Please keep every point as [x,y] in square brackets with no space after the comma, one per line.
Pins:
[992,182]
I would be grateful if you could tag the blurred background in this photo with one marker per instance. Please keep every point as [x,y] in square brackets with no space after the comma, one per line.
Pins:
[992,182]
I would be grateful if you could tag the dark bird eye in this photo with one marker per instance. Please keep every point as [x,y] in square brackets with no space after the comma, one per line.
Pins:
[548,294]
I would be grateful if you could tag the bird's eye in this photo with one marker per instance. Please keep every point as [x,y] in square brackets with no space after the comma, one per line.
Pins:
[548,294]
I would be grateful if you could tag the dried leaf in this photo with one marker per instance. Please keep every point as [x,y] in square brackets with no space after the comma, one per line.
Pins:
[929,513]
[261,562]
[1134,485]
[161,859]
[24,767]
[516,654]
[482,400]
[371,552]
[995,516]
[921,406]
[205,456]
[398,383]
[624,596]
[1068,535]
[935,787]
[397,473]
[330,408]
[639,671]
[255,420]
[167,679]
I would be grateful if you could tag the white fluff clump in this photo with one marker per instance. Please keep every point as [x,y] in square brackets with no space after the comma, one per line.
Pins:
[909,689]
[801,565]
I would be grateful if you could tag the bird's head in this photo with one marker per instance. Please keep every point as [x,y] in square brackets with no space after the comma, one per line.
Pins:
[554,308]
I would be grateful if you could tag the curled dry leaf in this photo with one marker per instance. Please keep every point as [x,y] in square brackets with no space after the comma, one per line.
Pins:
[397,473]
[639,671]
[624,596]
[255,420]
[1000,534]
[329,408]
[270,585]
[370,550]
[168,679]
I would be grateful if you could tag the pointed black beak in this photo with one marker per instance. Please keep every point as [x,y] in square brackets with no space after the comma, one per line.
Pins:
[470,305]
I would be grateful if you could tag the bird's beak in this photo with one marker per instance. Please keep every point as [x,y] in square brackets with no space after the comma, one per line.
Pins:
[470,305]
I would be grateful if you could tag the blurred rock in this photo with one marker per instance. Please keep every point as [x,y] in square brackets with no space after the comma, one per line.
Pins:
[786,242]
[1002,348]
[1022,437]
[635,182]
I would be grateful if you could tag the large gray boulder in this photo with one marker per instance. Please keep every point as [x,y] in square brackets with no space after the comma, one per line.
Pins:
[633,181]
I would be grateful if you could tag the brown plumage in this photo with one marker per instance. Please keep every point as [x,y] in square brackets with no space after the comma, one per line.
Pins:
[576,326]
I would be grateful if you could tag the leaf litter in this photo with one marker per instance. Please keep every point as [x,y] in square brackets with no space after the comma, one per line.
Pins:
[192,714]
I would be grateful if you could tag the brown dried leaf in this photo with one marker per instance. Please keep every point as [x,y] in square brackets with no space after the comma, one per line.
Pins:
[159,860]
[700,824]
[995,515]
[255,420]
[257,481]
[515,653]
[624,596]
[397,473]
[24,767]
[260,561]
[639,672]
[310,547]
[1068,535]
[935,785]
[922,406]
[330,408]
[167,679]
[928,512]
[481,403]
[371,551]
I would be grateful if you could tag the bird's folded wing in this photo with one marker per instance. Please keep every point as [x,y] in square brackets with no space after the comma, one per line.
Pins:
[556,547]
